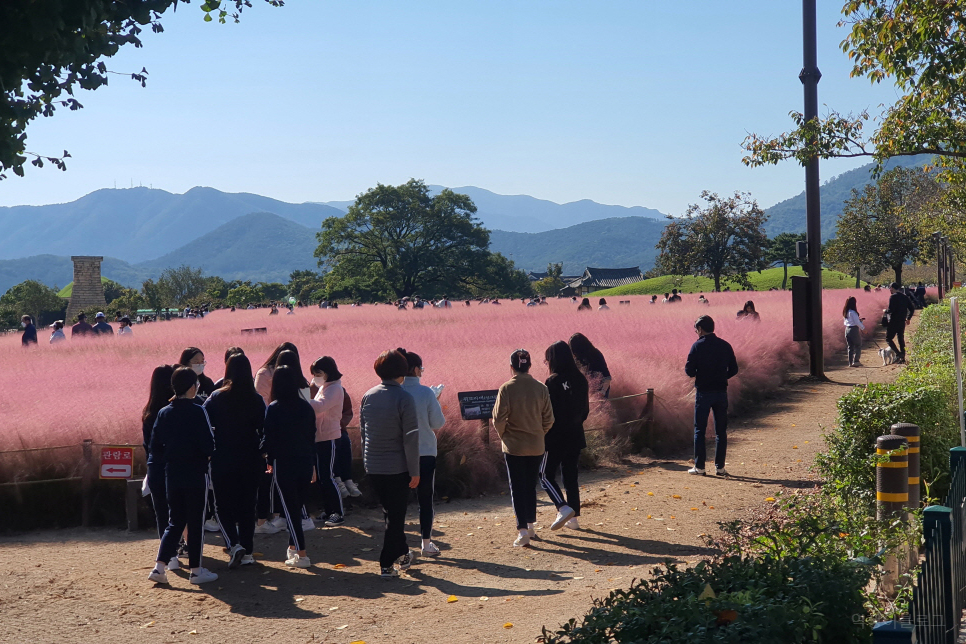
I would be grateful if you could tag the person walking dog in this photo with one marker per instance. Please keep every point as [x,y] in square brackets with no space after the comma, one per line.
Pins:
[711,362]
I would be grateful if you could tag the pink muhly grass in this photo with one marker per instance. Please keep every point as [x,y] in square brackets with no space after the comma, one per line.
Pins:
[61,394]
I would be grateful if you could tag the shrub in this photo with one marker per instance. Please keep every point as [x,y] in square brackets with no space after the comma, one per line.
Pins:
[735,599]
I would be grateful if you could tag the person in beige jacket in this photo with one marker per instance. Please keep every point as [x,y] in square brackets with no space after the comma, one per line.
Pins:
[522,415]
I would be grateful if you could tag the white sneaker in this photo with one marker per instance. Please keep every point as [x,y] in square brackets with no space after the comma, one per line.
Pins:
[266,528]
[174,564]
[235,556]
[212,525]
[290,553]
[531,530]
[563,515]
[697,470]
[352,487]
[343,490]
[158,576]
[248,560]
[308,524]
[203,576]
[298,562]
[430,550]
[720,471]
[521,540]
[280,523]
[573,524]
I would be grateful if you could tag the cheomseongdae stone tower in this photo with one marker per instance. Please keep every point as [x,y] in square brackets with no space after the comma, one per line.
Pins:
[88,292]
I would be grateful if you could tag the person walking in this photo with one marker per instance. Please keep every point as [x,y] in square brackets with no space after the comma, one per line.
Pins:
[429,417]
[390,439]
[182,440]
[853,331]
[29,337]
[57,335]
[82,328]
[711,362]
[570,402]
[522,415]
[900,312]
[237,415]
[327,405]
[159,395]
[289,448]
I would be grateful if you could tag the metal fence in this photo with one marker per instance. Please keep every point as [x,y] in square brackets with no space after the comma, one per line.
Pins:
[939,594]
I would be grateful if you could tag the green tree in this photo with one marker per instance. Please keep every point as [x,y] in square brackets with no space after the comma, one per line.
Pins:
[112,290]
[498,277]
[398,241]
[32,298]
[302,285]
[552,283]
[184,283]
[51,48]
[921,46]
[783,249]
[157,294]
[245,294]
[726,238]
[129,300]
[883,225]
[273,290]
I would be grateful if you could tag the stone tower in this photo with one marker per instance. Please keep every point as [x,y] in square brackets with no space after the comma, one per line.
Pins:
[88,293]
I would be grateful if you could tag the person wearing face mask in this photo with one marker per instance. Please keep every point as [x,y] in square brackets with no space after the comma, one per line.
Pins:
[57,334]
[194,359]
[29,332]
[182,440]
[327,404]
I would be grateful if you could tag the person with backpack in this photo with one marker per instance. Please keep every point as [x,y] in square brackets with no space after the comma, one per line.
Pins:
[182,439]
[237,414]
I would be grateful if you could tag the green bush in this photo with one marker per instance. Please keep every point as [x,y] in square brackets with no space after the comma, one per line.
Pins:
[767,601]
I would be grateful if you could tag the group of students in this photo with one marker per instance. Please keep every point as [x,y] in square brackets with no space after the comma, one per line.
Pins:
[248,444]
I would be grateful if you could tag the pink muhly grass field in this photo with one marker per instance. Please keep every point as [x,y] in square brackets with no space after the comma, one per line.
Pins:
[59,395]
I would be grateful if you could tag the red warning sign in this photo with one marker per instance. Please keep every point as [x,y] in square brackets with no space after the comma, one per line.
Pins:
[117,462]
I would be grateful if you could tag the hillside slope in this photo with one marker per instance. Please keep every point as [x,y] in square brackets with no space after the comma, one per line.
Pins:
[767,279]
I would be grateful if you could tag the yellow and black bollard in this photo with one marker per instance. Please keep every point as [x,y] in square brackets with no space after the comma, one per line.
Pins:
[892,497]
[911,433]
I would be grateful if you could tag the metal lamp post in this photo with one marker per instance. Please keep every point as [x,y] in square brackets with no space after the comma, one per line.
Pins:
[937,237]
[810,75]
[947,264]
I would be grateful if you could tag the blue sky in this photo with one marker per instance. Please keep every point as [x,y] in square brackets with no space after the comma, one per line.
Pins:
[633,103]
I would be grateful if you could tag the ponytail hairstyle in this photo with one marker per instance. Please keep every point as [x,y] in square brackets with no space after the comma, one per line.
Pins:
[413,359]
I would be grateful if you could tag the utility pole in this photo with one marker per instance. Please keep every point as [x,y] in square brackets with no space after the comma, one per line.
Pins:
[810,75]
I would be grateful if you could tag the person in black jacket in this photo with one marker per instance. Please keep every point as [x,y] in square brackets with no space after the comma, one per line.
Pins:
[570,401]
[159,396]
[900,312]
[29,332]
[592,363]
[193,358]
[711,363]
[182,438]
[237,413]
[289,446]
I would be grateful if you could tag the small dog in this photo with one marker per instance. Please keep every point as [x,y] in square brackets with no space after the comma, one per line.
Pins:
[888,356]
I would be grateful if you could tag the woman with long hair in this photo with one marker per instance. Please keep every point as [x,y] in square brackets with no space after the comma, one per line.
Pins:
[429,416]
[748,312]
[853,331]
[237,414]
[290,359]
[194,359]
[584,305]
[327,404]
[263,377]
[591,362]
[570,401]
[159,397]
[390,439]
[289,448]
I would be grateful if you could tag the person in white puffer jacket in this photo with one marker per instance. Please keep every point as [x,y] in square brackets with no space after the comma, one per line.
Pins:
[328,412]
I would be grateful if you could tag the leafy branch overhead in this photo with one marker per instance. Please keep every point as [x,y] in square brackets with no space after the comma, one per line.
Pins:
[49,49]
[920,45]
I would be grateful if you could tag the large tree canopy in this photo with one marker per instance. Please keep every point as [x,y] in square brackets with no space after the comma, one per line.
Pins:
[398,241]
[724,239]
[921,45]
[51,48]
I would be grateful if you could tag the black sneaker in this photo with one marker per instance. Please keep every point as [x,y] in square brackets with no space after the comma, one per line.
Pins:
[334,520]
[388,573]
[406,560]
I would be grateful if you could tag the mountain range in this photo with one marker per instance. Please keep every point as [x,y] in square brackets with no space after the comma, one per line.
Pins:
[141,231]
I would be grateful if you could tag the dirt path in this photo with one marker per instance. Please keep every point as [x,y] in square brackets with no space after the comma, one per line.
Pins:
[87,586]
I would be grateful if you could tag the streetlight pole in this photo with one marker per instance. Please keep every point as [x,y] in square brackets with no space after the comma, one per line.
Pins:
[947,267]
[810,75]
[937,237]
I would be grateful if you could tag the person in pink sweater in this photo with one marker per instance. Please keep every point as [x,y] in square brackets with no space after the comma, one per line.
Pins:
[328,415]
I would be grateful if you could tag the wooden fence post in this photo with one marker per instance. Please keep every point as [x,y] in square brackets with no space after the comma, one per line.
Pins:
[132,492]
[87,480]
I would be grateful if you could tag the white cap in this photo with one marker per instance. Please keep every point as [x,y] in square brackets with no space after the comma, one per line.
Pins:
[100,314]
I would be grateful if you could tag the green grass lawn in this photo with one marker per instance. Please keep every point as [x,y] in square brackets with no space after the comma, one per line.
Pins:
[762,281]
[69,289]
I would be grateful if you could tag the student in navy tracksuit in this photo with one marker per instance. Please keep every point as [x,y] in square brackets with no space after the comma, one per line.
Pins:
[711,363]
[182,438]
[160,395]
[237,413]
[289,446]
